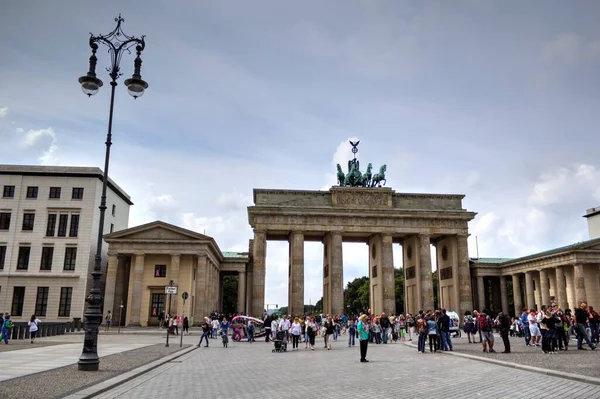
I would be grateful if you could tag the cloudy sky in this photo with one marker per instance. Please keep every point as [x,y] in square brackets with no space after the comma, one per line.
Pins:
[497,100]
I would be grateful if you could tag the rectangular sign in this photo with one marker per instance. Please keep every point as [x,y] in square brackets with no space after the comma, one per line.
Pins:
[170,290]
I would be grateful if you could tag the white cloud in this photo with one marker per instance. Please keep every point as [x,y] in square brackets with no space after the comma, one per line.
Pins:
[570,49]
[3,112]
[41,140]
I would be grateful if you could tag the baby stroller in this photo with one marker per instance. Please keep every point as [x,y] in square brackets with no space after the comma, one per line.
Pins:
[280,342]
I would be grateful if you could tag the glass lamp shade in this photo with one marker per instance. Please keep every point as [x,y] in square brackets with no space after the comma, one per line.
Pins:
[90,85]
[136,87]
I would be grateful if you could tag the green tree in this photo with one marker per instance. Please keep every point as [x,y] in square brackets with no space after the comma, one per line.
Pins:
[230,288]
[356,296]
[283,310]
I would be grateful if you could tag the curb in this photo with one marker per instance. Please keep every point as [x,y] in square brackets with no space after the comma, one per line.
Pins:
[552,373]
[111,383]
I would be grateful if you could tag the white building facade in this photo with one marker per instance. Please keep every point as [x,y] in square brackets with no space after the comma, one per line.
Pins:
[49,218]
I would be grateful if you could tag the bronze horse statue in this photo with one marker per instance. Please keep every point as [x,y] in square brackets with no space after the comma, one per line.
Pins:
[340,175]
[379,177]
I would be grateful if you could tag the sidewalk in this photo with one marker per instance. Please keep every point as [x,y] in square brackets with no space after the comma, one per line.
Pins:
[18,363]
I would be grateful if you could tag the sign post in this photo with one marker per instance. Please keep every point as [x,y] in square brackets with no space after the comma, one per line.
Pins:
[184,296]
[169,289]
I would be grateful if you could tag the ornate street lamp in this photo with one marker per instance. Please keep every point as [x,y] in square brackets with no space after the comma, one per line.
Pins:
[118,43]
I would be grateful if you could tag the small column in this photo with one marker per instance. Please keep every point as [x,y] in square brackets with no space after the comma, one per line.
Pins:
[425,272]
[465,292]
[529,294]
[561,288]
[200,307]
[174,275]
[111,282]
[259,273]
[517,299]
[480,293]
[209,287]
[579,281]
[241,308]
[503,295]
[136,298]
[337,274]
[296,275]
[387,274]
[544,288]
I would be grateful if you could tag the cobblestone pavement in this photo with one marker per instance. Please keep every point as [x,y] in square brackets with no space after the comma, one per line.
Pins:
[572,361]
[251,371]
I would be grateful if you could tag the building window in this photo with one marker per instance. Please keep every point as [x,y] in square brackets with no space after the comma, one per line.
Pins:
[446,273]
[62,225]
[411,273]
[17,302]
[64,306]
[112,227]
[74,226]
[28,220]
[2,256]
[54,192]
[70,258]
[41,302]
[77,193]
[4,220]
[114,209]
[47,255]
[160,270]
[51,227]
[326,271]
[9,192]
[23,259]
[32,192]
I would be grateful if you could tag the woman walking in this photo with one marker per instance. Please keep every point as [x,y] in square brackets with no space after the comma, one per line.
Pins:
[432,332]
[469,326]
[329,331]
[186,326]
[295,331]
[363,336]
[33,327]
[311,329]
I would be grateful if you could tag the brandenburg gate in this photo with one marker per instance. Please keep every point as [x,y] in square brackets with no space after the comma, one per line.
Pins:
[360,209]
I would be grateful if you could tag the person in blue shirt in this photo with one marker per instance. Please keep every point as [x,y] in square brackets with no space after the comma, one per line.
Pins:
[525,324]
[224,327]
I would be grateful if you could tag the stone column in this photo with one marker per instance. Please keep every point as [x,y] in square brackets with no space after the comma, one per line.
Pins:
[241,308]
[561,288]
[296,275]
[387,275]
[480,293]
[111,282]
[579,282]
[518,301]
[529,294]
[544,288]
[425,272]
[464,276]
[200,306]
[174,275]
[136,298]
[209,287]
[259,273]
[503,295]
[336,274]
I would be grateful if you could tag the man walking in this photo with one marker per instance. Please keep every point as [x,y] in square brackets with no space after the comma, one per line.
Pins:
[206,330]
[504,324]
[445,331]
[385,327]
[581,317]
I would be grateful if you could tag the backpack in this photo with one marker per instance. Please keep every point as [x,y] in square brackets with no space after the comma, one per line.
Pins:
[250,327]
[485,323]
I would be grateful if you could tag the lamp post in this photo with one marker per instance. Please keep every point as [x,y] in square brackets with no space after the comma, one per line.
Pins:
[171,285]
[118,43]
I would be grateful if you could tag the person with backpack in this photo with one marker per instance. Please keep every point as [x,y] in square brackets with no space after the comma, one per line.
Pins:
[484,321]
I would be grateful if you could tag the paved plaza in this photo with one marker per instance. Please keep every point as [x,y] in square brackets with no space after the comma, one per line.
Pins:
[251,370]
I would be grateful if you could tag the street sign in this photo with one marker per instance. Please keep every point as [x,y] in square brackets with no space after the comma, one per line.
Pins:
[170,290]
[184,295]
